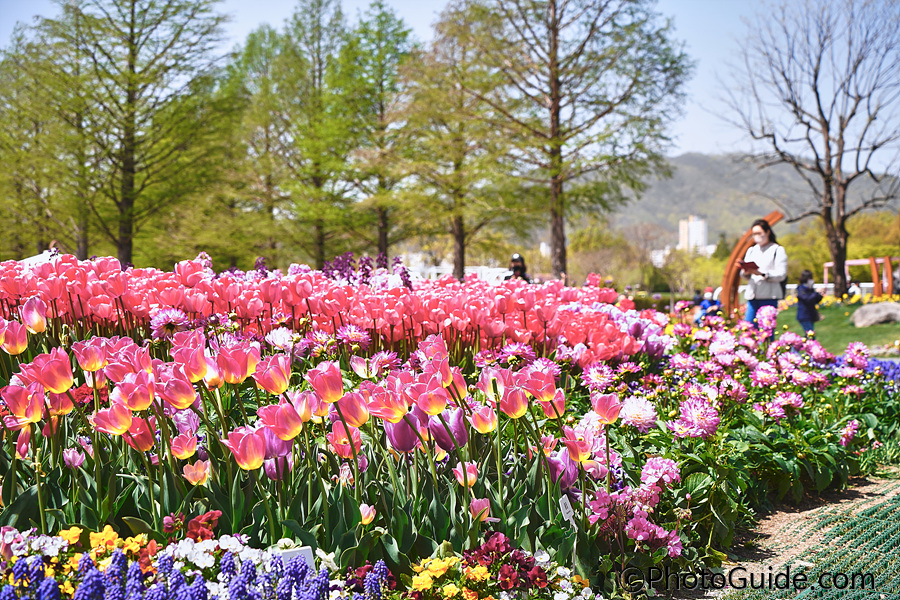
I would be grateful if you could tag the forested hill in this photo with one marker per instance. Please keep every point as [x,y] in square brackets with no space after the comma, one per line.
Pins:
[719,188]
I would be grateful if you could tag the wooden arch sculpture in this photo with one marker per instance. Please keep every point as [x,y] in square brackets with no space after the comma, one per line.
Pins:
[732,279]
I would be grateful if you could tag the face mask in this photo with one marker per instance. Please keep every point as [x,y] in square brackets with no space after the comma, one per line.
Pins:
[759,238]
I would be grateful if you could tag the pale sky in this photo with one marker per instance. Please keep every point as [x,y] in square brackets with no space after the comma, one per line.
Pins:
[709,28]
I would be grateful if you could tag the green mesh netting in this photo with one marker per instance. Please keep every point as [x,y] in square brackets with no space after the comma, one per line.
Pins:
[848,541]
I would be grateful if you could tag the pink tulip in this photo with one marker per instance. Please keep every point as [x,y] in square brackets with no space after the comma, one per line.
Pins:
[213,378]
[367,513]
[305,403]
[282,419]
[607,406]
[577,444]
[483,419]
[513,403]
[184,446]
[480,508]
[237,363]
[59,405]
[274,373]
[114,420]
[141,434]
[91,354]
[15,338]
[466,479]
[176,390]
[54,371]
[342,443]
[248,446]
[555,408]
[353,406]
[23,443]
[431,397]
[192,362]
[73,458]
[136,391]
[25,403]
[387,405]
[327,381]
[34,315]
[197,473]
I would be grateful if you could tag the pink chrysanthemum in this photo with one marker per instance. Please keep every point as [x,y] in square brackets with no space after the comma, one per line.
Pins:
[167,322]
[597,377]
[639,413]
[351,335]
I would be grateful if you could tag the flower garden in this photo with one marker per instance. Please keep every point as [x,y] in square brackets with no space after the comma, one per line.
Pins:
[171,434]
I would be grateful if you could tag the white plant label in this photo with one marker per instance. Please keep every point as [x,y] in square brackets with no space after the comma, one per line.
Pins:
[568,512]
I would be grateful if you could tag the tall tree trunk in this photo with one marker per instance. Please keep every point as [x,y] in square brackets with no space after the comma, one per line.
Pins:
[459,248]
[124,243]
[557,202]
[383,227]
[837,236]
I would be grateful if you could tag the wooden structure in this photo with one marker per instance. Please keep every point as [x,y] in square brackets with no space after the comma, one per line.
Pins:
[887,272]
[732,279]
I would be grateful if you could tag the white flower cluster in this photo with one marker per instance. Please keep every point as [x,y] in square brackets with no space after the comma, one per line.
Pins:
[26,544]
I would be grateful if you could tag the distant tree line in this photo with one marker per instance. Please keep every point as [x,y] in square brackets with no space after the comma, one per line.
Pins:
[123,130]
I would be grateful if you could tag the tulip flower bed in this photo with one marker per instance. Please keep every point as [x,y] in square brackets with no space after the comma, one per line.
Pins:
[377,420]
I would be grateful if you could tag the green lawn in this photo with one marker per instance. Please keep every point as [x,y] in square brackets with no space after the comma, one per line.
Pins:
[836,330]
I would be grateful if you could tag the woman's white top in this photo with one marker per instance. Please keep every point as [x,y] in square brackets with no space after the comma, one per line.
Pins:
[772,262]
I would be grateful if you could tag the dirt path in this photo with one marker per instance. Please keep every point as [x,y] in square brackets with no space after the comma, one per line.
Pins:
[782,537]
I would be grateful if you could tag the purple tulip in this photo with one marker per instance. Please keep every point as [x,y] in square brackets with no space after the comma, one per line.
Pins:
[275,446]
[73,458]
[456,422]
[186,421]
[563,469]
[276,468]
[401,435]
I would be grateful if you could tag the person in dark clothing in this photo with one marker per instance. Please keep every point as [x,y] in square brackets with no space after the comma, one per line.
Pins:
[807,298]
[698,298]
[517,266]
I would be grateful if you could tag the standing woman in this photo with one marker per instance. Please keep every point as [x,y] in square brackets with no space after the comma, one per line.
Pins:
[765,265]
[807,298]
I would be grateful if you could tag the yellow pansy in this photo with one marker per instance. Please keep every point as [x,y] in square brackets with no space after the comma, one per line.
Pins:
[439,566]
[105,538]
[134,544]
[71,534]
[477,573]
[469,594]
[422,582]
[449,590]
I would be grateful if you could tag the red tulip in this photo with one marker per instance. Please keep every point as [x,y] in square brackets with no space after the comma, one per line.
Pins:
[353,406]
[136,391]
[141,434]
[282,419]
[34,314]
[274,373]
[25,403]
[327,381]
[607,406]
[114,420]
[91,354]
[248,446]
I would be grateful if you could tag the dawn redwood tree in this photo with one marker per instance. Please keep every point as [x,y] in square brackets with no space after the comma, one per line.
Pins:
[153,65]
[818,89]
[373,56]
[457,162]
[591,86]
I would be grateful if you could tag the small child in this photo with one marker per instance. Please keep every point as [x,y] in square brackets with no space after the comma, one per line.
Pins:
[807,299]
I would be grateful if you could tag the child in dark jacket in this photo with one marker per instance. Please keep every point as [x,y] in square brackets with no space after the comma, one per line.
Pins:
[807,298]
